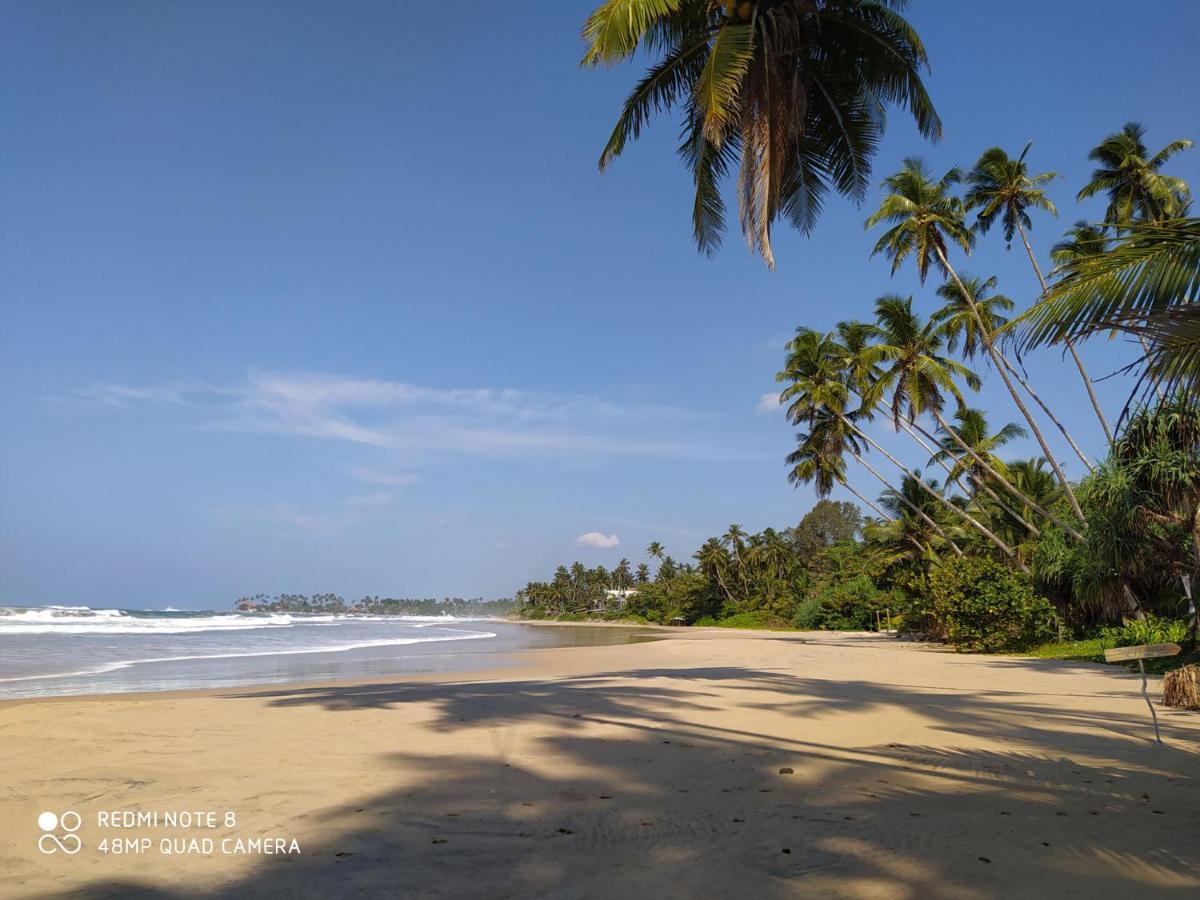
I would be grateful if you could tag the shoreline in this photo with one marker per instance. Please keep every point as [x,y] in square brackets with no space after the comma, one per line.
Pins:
[504,661]
[510,661]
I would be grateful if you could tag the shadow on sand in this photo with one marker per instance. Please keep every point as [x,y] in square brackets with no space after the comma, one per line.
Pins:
[641,789]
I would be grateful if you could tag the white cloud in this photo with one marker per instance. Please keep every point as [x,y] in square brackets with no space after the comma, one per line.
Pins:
[768,402]
[597,540]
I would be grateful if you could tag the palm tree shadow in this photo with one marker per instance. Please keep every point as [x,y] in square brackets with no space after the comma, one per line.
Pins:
[640,787]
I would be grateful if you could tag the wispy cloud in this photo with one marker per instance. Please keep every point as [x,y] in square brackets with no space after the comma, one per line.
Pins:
[421,420]
[598,541]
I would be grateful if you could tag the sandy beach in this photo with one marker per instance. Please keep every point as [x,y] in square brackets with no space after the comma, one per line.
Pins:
[709,764]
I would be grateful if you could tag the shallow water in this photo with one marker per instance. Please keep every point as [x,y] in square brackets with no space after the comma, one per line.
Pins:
[74,650]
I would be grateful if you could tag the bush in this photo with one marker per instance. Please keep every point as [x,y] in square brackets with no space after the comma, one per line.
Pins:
[687,595]
[850,605]
[808,614]
[751,620]
[979,604]
[705,622]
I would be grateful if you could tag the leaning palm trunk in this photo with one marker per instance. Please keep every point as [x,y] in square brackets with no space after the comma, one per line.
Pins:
[975,523]
[1049,414]
[909,425]
[1087,382]
[1008,485]
[879,512]
[920,512]
[1001,368]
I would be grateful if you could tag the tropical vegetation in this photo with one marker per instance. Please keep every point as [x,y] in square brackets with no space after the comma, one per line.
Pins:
[962,540]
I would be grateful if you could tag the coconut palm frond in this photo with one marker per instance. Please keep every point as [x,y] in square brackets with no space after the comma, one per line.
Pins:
[614,30]
[1147,271]
[798,88]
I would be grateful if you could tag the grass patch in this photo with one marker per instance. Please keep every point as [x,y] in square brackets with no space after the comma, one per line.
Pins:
[1085,650]
[1092,650]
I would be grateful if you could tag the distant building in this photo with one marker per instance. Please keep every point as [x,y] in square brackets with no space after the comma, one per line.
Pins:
[618,598]
[245,605]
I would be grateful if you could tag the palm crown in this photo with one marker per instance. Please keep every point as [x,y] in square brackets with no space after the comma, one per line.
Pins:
[959,321]
[972,427]
[792,93]
[1130,177]
[925,217]
[1001,187]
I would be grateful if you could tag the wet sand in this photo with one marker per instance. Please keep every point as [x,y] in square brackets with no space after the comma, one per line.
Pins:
[708,764]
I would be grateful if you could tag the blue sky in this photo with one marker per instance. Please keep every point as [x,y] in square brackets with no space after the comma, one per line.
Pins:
[325,297]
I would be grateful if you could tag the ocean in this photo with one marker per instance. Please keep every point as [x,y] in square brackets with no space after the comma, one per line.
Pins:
[60,650]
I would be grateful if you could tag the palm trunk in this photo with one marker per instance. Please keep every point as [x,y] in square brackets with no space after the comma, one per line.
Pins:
[879,512]
[975,523]
[909,425]
[1008,485]
[920,512]
[1087,382]
[1049,414]
[1000,367]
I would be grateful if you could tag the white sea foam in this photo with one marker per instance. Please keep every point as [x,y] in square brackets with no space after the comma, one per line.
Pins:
[81,620]
[292,651]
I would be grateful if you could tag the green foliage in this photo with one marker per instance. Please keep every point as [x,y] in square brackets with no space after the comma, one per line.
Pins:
[689,595]
[851,605]
[1143,511]
[1083,650]
[979,604]
[751,620]
[1151,630]
[826,524]
[1144,283]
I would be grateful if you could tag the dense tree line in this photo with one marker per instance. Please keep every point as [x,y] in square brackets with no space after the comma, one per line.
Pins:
[375,605]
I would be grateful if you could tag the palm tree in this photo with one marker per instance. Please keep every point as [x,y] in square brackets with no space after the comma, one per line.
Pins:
[971,430]
[1039,485]
[972,427]
[643,573]
[905,340]
[819,373]
[925,217]
[918,377]
[655,550]
[819,458]
[905,539]
[622,575]
[958,316]
[790,92]
[1081,239]
[714,564]
[1001,187]
[1137,190]
[735,539]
